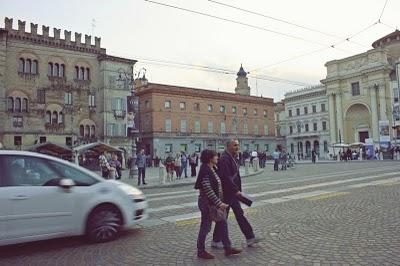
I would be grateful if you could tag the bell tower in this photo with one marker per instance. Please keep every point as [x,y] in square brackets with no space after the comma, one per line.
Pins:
[242,86]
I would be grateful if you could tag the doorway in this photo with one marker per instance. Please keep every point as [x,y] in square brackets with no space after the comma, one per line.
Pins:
[362,135]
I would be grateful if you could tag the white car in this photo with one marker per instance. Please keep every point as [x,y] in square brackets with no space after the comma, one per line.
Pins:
[42,197]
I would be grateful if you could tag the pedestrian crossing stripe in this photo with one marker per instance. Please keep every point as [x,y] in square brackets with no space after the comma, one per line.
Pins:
[391,183]
[326,196]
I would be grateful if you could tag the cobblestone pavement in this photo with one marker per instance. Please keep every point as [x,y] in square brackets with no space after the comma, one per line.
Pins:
[336,214]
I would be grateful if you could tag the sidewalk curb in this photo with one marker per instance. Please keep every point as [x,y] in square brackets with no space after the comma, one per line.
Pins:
[191,182]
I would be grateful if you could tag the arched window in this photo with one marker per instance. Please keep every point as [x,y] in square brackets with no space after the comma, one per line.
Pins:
[34,67]
[81,130]
[28,65]
[50,69]
[62,70]
[87,131]
[48,117]
[61,118]
[56,70]
[82,73]
[54,118]
[10,104]
[24,105]
[92,131]
[18,104]
[21,65]
[77,72]
[87,76]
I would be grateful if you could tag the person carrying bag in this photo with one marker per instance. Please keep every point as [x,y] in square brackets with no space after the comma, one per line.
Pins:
[211,205]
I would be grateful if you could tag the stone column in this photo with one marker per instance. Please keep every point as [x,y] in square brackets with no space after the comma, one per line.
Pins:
[332,126]
[374,114]
[339,116]
[382,102]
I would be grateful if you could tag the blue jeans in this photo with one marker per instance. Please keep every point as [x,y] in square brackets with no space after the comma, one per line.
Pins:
[184,168]
[244,225]
[205,227]
[142,174]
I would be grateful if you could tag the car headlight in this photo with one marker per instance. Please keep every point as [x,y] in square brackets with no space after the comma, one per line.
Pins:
[132,191]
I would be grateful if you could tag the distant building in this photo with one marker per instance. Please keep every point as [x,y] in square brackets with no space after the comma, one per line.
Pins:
[175,119]
[60,90]
[307,122]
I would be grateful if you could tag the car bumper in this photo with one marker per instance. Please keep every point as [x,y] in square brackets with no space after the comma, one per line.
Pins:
[138,214]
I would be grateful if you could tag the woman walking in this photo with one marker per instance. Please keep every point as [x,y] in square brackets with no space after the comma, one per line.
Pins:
[209,185]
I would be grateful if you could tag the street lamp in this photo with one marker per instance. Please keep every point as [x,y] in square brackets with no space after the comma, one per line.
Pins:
[132,112]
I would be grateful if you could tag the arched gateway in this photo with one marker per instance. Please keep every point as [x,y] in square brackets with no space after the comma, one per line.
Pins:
[357,123]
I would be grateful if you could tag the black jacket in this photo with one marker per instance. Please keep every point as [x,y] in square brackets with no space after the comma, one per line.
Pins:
[228,171]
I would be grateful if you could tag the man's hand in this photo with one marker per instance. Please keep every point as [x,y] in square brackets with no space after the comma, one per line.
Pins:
[223,206]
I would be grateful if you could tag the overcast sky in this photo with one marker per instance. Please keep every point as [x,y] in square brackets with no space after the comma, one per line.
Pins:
[141,30]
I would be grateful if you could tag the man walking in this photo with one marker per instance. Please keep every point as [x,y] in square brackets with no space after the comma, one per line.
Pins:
[141,164]
[228,171]
[184,164]
[275,156]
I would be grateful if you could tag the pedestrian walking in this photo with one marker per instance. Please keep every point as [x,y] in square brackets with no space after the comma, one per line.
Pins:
[313,156]
[141,164]
[184,164]
[104,165]
[193,164]
[228,171]
[211,197]
[178,165]
[275,157]
[170,167]
[116,164]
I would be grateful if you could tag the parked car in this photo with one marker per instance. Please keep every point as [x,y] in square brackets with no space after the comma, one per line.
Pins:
[43,197]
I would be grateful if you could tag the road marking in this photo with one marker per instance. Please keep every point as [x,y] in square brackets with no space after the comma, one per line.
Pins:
[326,196]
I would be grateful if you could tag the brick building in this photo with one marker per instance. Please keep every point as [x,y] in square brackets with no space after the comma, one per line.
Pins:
[59,89]
[174,119]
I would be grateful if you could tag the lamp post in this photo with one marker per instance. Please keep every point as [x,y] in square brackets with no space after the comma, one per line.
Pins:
[132,113]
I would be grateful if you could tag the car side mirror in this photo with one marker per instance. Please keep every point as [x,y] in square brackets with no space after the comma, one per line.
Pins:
[66,183]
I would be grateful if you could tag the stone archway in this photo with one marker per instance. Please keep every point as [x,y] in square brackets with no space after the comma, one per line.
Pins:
[357,125]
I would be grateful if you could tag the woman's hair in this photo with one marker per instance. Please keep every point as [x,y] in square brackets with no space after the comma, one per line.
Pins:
[207,155]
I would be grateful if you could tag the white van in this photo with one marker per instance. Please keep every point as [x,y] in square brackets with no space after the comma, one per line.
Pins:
[42,197]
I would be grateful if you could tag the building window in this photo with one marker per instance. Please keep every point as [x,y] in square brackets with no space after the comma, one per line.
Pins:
[222,109]
[266,113]
[305,110]
[28,65]
[197,126]
[34,69]
[42,139]
[81,73]
[48,117]
[297,111]
[355,88]
[76,72]
[234,110]
[291,148]
[290,113]
[118,104]
[17,105]
[82,130]
[41,96]
[50,69]
[183,126]
[395,95]
[322,107]
[87,131]
[325,146]
[21,65]
[111,130]
[266,130]
[54,118]
[245,129]
[168,148]
[266,147]
[87,76]
[68,98]
[10,104]
[92,100]
[62,70]
[168,125]
[255,112]
[167,104]
[196,107]
[291,129]
[92,131]
[306,127]
[244,111]
[60,118]
[315,126]
[256,130]
[56,70]
[299,128]
[17,121]
[314,108]
[323,125]
[222,128]
[234,127]
[197,147]
[210,127]
[210,107]
[17,140]
[182,105]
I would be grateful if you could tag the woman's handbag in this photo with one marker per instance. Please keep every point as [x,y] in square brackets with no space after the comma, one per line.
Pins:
[217,214]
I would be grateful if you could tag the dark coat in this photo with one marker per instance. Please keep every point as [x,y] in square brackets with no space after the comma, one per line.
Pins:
[228,171]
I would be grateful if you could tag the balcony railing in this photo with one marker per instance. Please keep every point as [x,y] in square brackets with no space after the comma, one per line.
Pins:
[54,127]
[119,114]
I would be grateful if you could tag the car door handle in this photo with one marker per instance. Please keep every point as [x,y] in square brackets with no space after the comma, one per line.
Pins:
[20,197]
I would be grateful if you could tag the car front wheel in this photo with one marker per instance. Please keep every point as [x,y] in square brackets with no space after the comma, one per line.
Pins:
[104,224]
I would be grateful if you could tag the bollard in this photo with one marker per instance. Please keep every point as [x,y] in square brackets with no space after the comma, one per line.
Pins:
[381,156]
[161,174]
[255,165]
[246,166]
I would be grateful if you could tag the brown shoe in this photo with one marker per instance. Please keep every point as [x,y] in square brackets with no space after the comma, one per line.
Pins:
[205,255]
[232,251]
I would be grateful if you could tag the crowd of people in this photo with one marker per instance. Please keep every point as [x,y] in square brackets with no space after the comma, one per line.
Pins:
[178,165]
